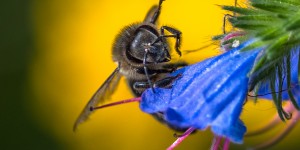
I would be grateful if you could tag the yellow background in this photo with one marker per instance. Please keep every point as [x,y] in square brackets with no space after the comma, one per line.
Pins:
[72,41]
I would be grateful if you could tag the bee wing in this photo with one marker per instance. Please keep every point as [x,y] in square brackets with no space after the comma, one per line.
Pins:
[103,93]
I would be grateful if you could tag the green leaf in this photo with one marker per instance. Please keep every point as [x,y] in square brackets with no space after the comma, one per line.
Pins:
[276,99]
[268,18]
[273,51]
[298,67]
[218,37]
[273,6]
[293,23]
[288,72]
[239,10]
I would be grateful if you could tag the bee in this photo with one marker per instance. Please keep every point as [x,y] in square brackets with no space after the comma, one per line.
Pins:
[142,53]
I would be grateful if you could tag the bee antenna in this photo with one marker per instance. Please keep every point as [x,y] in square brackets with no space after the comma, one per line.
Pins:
[137,99]
[197,49]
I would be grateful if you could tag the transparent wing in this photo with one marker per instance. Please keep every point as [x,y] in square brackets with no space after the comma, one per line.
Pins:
[103,93]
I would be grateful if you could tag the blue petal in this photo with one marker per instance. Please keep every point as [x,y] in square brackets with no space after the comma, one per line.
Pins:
[236,131]
[209,93]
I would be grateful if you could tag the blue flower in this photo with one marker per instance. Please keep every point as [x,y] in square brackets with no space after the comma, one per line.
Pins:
[210,93]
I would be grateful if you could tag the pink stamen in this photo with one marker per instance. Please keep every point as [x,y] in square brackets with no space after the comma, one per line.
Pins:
[272,123]
[289,126]
[216,143]
[137,99]
[226,144]
[181,138]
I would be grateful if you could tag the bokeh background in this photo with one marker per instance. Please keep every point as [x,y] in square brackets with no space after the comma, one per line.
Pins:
[56,53]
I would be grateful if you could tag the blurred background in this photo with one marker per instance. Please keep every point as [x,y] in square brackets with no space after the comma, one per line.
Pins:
[56,53]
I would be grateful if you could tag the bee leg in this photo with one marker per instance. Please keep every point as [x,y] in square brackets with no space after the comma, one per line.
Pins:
[141,86]
[166,82]
[163,83]
[175,66]
[168,68]
[157,13]
[146,70]
[175,34]
[226,16]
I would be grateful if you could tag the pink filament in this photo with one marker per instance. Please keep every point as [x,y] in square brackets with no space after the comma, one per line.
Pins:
[226,144]
[181,138]
[216,143]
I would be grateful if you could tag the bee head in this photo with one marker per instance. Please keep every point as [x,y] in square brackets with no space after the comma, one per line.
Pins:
[148,42]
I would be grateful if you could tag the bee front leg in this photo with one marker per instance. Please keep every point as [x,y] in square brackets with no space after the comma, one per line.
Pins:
[166,82]
[163,83]
[175,66]
[226,16]
[175,34]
